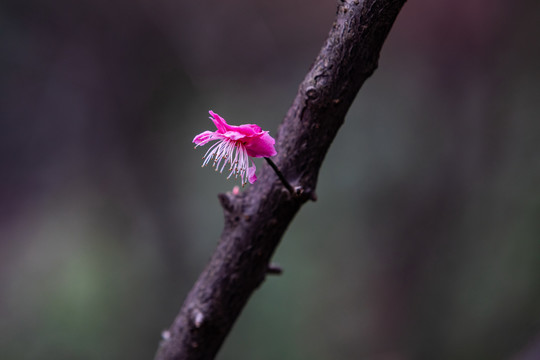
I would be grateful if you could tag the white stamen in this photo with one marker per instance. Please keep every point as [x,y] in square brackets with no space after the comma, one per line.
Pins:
[231,152]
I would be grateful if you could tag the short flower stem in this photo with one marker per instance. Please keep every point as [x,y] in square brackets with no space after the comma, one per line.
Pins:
[280,176]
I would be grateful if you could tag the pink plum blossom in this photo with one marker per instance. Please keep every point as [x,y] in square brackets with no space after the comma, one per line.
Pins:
[235,145]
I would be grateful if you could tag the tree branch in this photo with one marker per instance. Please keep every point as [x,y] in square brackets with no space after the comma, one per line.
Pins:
[256,219]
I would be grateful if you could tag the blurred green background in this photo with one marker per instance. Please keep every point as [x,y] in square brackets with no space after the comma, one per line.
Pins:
[425,240]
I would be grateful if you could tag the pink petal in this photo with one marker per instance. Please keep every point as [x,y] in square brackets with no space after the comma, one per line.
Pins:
[204,137]
[247,129]
[220,122]
[261,145]
[234,135]
[223,127]
[251,174]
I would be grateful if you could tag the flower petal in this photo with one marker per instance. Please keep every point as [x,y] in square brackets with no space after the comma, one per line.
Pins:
[261,145]
[246,129]
[234,135]
[223,127]
[251,173]
[204,137]
[220,122]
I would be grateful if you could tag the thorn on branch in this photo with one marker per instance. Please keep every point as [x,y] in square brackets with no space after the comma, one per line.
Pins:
[226,202]
[299,191]
[274,269]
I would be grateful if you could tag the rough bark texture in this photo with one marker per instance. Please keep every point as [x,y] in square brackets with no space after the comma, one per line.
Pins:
[256,219]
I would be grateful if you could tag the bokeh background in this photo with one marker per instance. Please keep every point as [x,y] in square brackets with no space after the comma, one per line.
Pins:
[425,240]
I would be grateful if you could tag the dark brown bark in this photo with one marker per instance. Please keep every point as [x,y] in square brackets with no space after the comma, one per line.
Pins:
[256,219]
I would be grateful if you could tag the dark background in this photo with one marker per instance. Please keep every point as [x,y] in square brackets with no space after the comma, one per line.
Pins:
[424,243]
